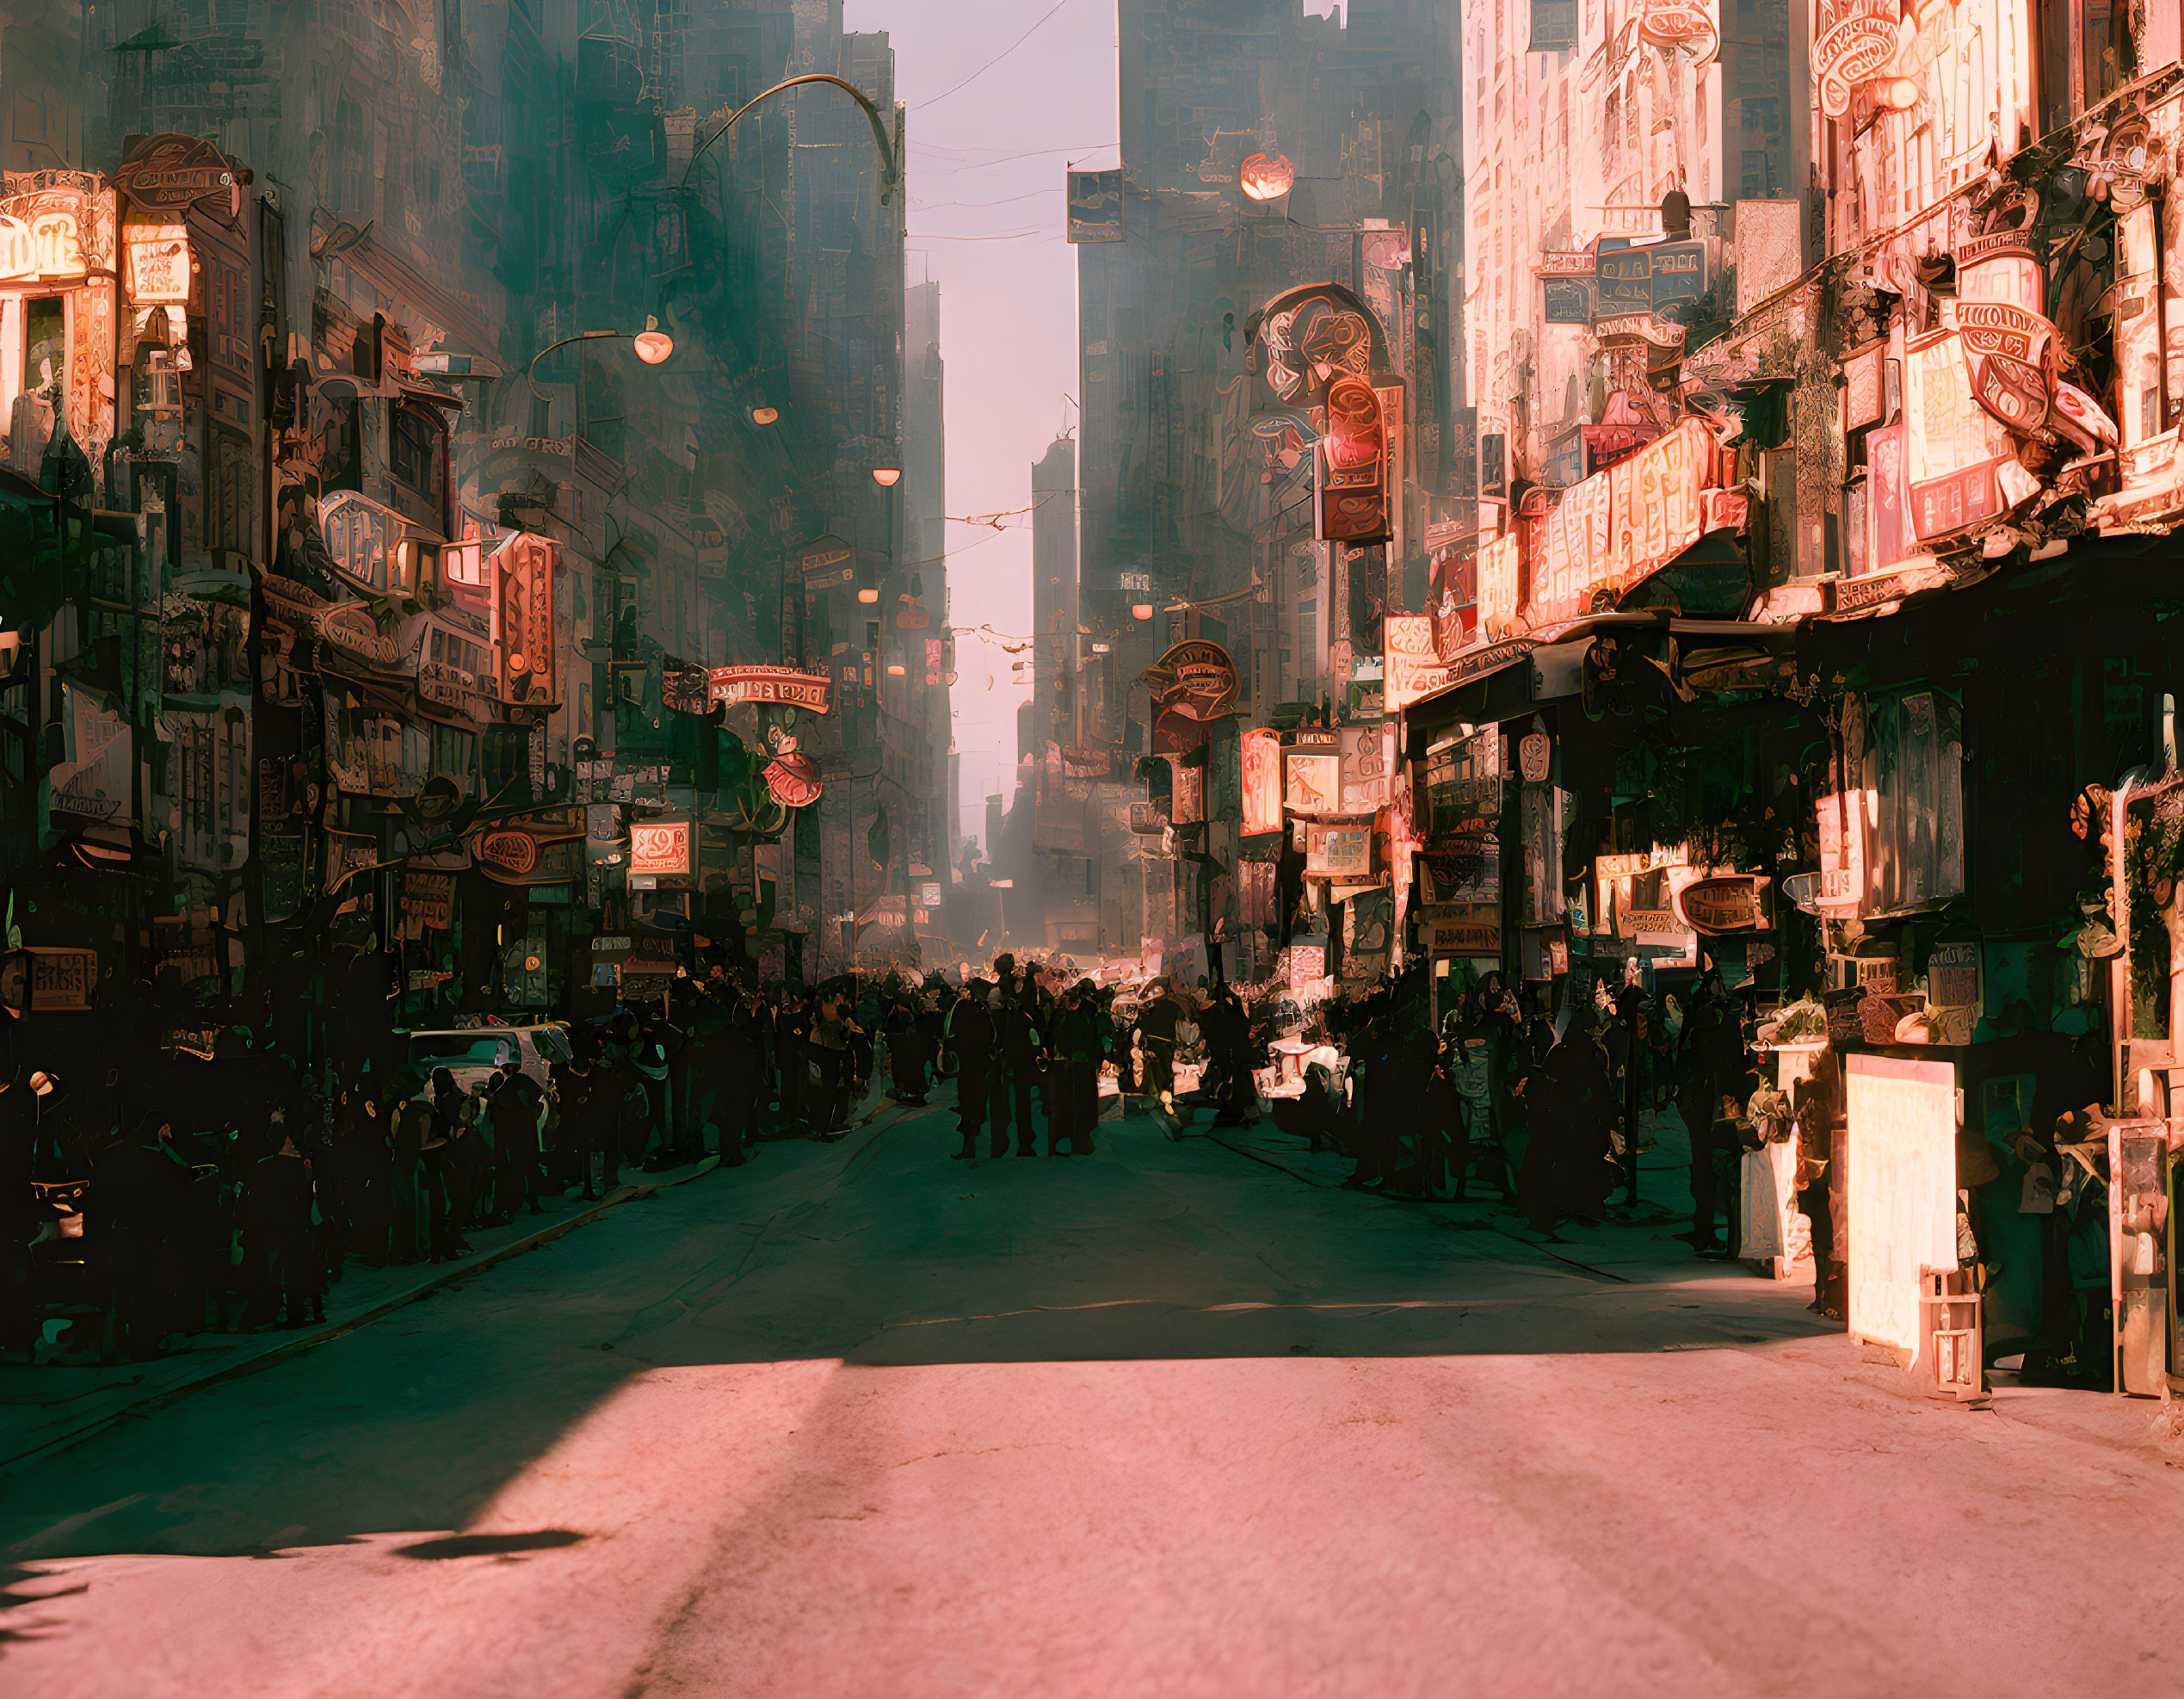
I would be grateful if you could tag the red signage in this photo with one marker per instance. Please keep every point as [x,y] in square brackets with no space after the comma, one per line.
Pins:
[771,686]
[1195,679]
[1353,503]
[510,852]
[526,607]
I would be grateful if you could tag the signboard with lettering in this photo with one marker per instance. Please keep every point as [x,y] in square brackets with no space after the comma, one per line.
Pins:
[1952,446]
[1723,902]
[660,848]
[526,588]
[1415,668]
[782,687]
[1645,280]
[1261,762]
[159,263]
[44,232]
[1460,928]
[1338,852]
[175,172]
[428,900]
[1313,781]
[63,978]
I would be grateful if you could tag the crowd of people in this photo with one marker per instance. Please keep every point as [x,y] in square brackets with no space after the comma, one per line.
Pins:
[228,1188]
[1542,1113]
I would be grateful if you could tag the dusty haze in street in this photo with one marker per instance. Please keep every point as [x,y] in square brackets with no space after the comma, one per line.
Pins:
[1090,847]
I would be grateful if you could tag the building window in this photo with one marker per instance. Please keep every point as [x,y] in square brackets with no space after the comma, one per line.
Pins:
[413,451]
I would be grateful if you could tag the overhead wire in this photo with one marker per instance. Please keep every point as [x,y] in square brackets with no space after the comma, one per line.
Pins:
[994,60]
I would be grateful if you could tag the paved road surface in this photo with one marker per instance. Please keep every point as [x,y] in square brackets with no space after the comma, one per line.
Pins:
[1167,1420]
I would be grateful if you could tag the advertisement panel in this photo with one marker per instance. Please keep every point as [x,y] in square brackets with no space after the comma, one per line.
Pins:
[1952,445]
[660,848]
[525,617]
[1262,755]
[768,686]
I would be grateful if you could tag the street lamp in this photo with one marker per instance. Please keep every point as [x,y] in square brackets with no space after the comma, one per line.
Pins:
[888,161]
[653,344]
[764,415]
[887,476]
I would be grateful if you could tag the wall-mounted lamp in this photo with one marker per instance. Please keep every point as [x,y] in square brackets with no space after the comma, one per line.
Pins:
[867,595]
[887,476]
[764,415]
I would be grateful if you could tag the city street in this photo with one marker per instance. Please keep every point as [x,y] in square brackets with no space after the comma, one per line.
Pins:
[1174,1418]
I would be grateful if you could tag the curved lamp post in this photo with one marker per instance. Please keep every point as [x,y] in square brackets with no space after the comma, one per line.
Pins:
[872,116]
[652,345]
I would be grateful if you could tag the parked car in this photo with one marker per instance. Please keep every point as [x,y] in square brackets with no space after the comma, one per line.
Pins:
[471,1053]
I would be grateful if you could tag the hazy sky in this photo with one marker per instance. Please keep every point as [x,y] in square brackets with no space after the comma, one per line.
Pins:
[986,164]
[985,176]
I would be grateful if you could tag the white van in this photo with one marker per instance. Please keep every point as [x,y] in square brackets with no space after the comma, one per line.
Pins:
[471,1053]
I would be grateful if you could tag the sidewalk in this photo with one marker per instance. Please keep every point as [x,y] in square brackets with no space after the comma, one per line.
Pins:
[45,1408]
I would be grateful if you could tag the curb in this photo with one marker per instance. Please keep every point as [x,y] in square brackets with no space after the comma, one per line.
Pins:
[275,1351]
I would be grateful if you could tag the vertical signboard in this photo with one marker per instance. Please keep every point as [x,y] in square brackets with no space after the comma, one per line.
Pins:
[526,618]
[1261,755]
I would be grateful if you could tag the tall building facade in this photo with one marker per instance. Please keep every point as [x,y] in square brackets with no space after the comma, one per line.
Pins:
[524,575]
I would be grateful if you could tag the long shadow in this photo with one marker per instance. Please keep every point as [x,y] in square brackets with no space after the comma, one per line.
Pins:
[879,1253]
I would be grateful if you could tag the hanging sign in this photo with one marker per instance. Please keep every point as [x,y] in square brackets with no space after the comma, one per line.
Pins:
[793,780]
[770,686]
[1723,902]
[1681,24]
[513,853]
[1534,750]
[158,262]
[1853,52]
[1367,754]
[1313,781]
[1338,852]
[1195,679]
[428,900]
[1268,176]
[1351,497]
[175,172]
[1261,762]
[1415,668]
[526,565]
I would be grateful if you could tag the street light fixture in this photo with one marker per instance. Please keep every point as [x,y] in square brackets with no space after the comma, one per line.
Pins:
[887,476]
[869,594]
[764,415]
[653,344]
[889,162]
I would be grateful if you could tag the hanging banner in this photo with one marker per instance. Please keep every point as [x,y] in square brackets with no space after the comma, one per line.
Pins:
[1261,762]
[1095,206]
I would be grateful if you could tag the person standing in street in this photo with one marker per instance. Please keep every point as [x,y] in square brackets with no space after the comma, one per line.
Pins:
[1020,1042]
[1078,1049]
[1713,1057]
[973,1040]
